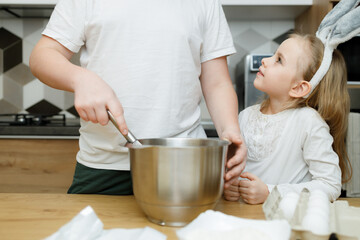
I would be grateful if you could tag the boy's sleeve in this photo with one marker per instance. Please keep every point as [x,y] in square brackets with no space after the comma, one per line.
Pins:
[67,24]
[217,39]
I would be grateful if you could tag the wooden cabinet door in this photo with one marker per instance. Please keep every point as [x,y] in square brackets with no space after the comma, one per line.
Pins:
[37,165]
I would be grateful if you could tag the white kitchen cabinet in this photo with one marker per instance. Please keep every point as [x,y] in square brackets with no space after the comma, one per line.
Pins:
[29,2]
[264,9]
[234,9]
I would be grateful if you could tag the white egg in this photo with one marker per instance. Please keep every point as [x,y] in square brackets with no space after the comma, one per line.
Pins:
[288,205]
[318,194]
[318,206]
[315,224]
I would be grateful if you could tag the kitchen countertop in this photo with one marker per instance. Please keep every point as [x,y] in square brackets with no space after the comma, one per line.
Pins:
[36,216]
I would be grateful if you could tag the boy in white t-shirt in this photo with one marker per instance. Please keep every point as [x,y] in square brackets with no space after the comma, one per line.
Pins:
[148,62]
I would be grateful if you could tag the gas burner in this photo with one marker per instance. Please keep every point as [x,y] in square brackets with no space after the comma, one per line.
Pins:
[32,120]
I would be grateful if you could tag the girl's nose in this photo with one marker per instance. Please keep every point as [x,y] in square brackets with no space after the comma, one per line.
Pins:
[263,62]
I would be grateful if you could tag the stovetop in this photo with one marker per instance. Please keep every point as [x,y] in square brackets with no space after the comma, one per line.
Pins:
[38,124]
[53,125]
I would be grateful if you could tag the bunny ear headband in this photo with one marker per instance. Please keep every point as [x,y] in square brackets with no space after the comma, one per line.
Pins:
[338,26]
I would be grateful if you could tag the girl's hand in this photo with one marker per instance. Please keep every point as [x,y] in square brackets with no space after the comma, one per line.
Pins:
[93,96]
[232,192]
[252,191]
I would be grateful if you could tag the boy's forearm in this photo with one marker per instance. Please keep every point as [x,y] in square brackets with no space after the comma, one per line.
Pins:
[220,95]
[223,108]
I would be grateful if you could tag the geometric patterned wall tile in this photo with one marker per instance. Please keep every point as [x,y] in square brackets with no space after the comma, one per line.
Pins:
[1,62]
[33,93]
[11,48]
[40,98]
[73,111]
[238,27]
[30,26]
[21,74]
[59,98]
[7,108]
[13,93]
[240,53]
[27,49]
[6,104]
[267,48]
[14,25]
[54,96]
[250,39]
[235,59]
[34,36]
[282,37]
[280,27]
[43,107]
[262,27]
[68,100]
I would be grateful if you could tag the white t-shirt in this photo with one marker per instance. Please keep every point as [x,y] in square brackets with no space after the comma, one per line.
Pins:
[291,149]
[150,53]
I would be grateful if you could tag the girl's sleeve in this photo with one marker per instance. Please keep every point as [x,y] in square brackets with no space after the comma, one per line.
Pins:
[217,38]
[67,24]
[322,160]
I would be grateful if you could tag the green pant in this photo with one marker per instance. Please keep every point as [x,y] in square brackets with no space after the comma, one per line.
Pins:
[100,181]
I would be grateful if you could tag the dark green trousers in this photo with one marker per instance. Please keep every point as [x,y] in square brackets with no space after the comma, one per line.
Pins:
[100,181]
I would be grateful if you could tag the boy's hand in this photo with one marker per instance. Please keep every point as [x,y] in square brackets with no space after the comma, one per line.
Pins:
[236,156]
[93,97]
[232,192]
[252,191]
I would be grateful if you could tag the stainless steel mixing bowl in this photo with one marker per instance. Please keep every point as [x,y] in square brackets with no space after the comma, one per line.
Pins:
[175,179]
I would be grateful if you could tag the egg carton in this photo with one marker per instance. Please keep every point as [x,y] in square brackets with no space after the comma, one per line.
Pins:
[344,220]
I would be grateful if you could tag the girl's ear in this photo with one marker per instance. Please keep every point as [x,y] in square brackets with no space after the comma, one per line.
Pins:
[301,89]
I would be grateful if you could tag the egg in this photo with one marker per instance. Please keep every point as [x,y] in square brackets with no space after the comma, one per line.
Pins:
[318,194]
[316,223]
[288,205]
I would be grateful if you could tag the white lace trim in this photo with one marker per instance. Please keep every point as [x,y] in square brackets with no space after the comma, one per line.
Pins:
[262,132]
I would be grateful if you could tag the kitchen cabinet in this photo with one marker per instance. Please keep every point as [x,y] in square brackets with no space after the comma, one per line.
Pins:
[309,20]
[234,9]
[264,9]
[37,165]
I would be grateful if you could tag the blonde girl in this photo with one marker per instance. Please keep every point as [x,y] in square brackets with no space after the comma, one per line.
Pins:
[295,141]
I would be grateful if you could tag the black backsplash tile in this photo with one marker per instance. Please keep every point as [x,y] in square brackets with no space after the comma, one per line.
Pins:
[11,48]
[43,107]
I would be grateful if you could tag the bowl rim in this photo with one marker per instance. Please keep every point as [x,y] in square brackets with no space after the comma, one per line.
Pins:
[220,143]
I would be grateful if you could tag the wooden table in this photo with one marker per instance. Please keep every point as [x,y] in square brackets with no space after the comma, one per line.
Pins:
[36,216]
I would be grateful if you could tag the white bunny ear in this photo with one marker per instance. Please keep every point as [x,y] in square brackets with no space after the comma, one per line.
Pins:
[346,28]
[329,21]
[339,25]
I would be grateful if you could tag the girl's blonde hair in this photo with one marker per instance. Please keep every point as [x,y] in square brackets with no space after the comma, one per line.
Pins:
[330,98]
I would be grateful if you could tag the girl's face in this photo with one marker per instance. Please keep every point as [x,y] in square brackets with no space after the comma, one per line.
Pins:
[278,74]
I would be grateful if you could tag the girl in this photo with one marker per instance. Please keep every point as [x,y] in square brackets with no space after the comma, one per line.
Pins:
[293,141]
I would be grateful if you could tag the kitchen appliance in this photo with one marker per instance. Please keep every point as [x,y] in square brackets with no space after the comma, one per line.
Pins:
[175,179]
[351,52]
[246,71]
[38,124]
